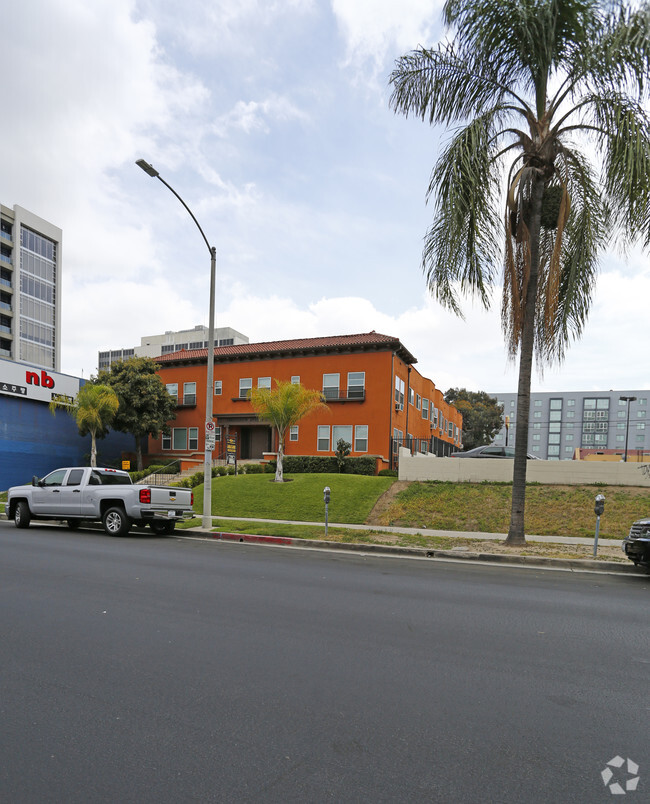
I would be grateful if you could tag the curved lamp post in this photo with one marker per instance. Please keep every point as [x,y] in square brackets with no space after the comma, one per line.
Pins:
[207,466]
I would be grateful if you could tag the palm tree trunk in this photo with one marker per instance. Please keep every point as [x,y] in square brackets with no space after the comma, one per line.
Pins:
[93,449]
[516,532]
[279,477]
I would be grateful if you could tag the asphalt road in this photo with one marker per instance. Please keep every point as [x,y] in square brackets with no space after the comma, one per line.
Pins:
[151,669]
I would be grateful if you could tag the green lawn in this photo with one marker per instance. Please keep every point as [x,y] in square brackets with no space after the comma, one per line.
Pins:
[485,507]
[301,499]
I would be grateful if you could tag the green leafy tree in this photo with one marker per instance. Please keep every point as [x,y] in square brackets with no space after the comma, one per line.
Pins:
[145,405]
[343,448]
[284,406]
[548,164]
[482,415]
[94,410]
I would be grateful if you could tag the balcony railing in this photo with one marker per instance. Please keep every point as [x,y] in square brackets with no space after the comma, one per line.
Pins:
[341,395]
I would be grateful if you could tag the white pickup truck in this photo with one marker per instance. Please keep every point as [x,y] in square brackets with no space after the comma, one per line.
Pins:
[108,496]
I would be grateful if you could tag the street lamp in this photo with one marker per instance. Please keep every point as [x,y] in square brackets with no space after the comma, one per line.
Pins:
[207,466]
[627,399]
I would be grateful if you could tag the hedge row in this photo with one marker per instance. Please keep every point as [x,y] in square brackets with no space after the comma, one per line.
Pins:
[297,464]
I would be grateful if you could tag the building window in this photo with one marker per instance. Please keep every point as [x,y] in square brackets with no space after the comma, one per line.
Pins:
[293,433]
[640,425]
[553,450]
[323,438]
[189,393]
[179,438]
[295,380]
[418,402]
[263,382]
[172,389]
[434,416]
[640,414]
[568,437]
[621,414]
[555,404]
[538,403]
[642,400]
[555,415]
[570,414]
[570,403]
[356,384]
[620,439]
[399,393]
[343,431]
[217,387]
[640,439]
[411,396]
[167,441]
[537,426]
[361,438]
[536,437]
[245,386]
[535,448]
[331,384]
[425,408]
[194,438]
[568,449]
[538,414]
[554,438]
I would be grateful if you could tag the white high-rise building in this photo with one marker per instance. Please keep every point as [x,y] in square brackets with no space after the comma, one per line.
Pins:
[157,345]
[30,283]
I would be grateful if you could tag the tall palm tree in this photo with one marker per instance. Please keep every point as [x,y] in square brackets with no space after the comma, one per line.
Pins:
[93,410]
[549,165]
[284,406]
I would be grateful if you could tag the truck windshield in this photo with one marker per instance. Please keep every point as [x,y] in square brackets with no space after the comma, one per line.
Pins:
[110,478]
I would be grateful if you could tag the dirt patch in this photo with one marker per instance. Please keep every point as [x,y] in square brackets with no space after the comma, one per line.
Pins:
[385,501]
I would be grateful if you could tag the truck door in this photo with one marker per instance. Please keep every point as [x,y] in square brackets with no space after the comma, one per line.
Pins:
[46,496]
[70,494]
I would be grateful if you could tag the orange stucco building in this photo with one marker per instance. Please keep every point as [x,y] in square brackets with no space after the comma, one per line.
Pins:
[375,398]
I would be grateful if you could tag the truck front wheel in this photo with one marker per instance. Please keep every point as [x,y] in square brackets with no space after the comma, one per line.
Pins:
[116,522]
[22,515]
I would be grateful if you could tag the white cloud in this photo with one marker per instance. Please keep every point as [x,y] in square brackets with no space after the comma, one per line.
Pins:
[379,30]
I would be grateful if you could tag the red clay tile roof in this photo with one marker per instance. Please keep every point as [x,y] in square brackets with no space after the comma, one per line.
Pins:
[365,342]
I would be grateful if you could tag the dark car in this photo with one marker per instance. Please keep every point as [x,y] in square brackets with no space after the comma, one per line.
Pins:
[636,545]
[491,451]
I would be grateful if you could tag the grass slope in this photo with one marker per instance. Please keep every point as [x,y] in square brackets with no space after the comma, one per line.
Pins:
[485,507]
[352,498]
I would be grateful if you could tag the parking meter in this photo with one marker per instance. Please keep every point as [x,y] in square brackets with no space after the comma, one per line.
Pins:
[326,497]
[599,509]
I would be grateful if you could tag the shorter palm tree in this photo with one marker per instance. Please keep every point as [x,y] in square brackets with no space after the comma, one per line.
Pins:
[284,406]
[93,410]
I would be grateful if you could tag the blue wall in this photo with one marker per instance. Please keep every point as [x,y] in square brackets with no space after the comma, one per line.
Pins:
[34,442]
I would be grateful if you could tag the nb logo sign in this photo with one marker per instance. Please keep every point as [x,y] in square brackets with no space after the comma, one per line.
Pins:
[44,379]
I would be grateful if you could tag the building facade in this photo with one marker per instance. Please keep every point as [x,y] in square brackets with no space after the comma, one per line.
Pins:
[157,345]
[561,423]
[30,283]
[32,440]
[375,399]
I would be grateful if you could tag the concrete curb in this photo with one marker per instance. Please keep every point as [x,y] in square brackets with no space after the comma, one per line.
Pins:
[419,552]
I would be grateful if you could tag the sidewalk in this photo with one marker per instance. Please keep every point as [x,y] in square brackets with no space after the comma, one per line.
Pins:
[455,554]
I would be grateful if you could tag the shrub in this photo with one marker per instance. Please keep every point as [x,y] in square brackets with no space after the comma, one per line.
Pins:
[387,473]
[255,469]
[297,464]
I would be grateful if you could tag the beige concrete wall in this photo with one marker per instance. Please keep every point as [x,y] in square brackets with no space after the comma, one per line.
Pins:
[478,470]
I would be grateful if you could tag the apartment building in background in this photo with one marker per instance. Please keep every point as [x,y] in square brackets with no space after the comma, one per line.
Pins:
[184,339]
[376,399]
[30,284]
[590,421]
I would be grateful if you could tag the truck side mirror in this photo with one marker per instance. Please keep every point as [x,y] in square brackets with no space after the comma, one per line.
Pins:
[34,481]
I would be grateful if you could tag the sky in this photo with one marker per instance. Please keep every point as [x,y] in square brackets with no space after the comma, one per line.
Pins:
[271,120]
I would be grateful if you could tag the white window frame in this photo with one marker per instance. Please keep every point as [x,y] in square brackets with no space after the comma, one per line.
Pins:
[425,408]
[295,379]
[359,438]
[245,385]
[167,441]
[336,428]
[356,384]
[179,430]
[190,394]
[193,438]
[293,432]
[172,389]
[328,386]
[264,382]
[218,387]
[323,435]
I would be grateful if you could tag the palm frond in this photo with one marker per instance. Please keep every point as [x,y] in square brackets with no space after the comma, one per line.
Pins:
[463,246]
